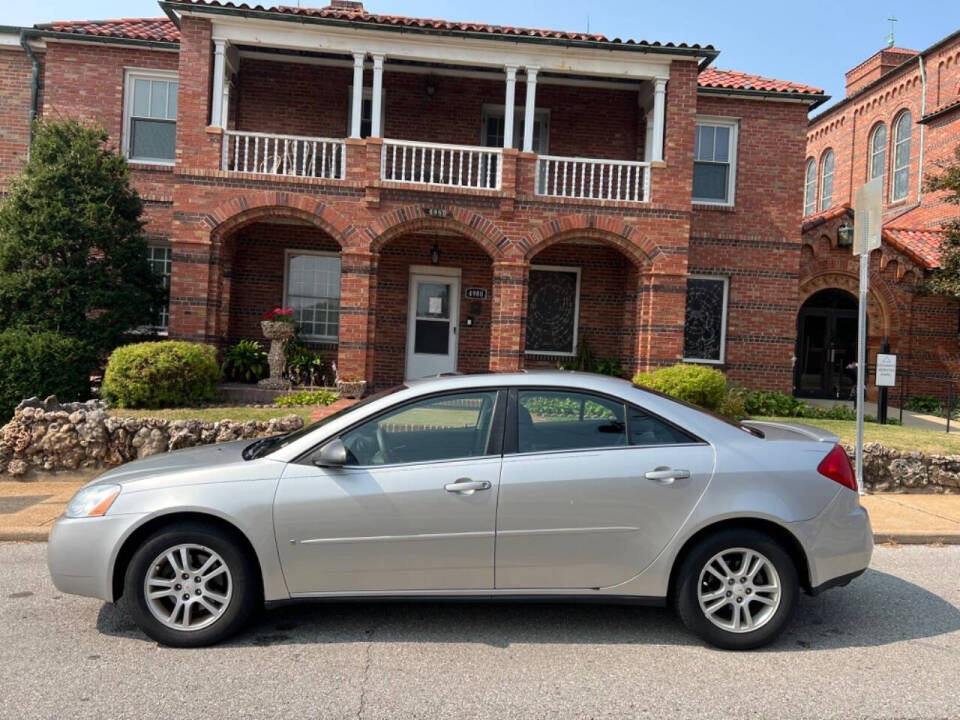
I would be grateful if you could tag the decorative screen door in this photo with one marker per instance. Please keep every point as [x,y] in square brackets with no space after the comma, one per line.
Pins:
[432,318]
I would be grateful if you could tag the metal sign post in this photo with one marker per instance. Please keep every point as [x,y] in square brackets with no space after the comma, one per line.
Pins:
[867,223]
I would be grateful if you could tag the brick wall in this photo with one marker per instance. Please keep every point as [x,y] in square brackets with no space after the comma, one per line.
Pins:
[15,73]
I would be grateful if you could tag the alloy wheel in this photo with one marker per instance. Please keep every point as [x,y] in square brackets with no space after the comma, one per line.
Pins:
[188,587]
[739,590]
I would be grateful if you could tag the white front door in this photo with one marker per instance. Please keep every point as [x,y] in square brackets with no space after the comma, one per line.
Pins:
[432,318]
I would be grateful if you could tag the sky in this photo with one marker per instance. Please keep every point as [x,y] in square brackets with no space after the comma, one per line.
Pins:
[809,41]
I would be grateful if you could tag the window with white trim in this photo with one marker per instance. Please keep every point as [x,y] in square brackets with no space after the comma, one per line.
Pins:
[810,188]
[715,161]
[312,289]
[553,305]
[826,180]
[900,186]
[160,259]
[366,112]
[150,116]
[878,151]
[494,123]
[705,321]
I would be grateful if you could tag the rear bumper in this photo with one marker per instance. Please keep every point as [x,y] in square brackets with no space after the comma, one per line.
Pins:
[838,542]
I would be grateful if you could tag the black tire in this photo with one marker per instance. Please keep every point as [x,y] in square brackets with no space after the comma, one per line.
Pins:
[236,613]
[687,601]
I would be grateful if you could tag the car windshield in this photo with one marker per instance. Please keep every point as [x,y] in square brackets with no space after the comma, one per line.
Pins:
[268,445]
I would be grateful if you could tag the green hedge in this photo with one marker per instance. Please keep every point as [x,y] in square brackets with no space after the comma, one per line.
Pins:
[42,364]
[161,374]
[694,384]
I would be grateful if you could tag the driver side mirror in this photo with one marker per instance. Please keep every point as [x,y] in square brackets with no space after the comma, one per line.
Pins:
[332,455]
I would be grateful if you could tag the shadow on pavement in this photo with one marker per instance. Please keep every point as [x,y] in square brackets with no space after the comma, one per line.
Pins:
[876,609]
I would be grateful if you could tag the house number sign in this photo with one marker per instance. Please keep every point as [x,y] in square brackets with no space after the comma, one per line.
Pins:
[436,212]
[476,293]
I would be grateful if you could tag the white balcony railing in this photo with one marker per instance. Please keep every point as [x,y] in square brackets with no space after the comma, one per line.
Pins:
[292,155]
[434,164]
[583,178]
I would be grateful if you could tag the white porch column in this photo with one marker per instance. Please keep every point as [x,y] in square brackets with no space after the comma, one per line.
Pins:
[357,107]
[217,115]
[659,112]
[530,109]
[375,111]
[508,104]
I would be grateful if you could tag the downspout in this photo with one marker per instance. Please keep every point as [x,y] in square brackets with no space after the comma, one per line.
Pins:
[923,127]
[34,84]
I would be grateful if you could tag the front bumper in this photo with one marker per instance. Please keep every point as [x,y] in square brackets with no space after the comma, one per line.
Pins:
[81,553]
[838,542]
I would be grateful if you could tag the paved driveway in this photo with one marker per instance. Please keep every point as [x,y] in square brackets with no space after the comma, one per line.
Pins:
[887,646]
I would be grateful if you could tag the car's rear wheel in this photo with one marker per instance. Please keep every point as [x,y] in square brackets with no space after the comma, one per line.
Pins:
[736,589]
[191,585]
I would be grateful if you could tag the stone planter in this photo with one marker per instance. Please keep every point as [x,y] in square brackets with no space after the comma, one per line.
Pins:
[277,332]
[353,389]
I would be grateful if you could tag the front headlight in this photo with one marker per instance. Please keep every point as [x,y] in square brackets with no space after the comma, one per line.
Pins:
[92,501]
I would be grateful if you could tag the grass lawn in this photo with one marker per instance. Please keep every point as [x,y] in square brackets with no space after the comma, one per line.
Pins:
[213,414]
[893,436]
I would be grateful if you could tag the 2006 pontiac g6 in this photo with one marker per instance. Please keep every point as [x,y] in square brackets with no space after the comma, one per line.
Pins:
[538,484]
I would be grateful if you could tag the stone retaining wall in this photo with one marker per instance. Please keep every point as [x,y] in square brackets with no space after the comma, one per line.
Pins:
[887,470]
[47,436]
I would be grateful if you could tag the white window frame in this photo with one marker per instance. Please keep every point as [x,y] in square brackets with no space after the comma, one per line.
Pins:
[893,155]
[576,312]
[287,253]
[734,125]
[810,187]
[519,115]
[367,95]
[872,151]
[129,76]
[723,320]
[833,170]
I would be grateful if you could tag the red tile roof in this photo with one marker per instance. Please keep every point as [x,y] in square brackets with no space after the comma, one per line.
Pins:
[817,219]
[153,29]
[360,15]
[923,246]
[941,110]
[736,80]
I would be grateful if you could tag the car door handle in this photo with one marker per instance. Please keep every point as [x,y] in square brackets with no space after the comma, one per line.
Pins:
[465,486]
[666,475]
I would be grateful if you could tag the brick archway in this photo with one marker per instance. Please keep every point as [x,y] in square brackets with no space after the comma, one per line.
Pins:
[412,219]
[246,209]
[639,248]
[881,314]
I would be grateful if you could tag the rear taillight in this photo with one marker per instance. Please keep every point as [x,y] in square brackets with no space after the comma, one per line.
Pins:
[836,466]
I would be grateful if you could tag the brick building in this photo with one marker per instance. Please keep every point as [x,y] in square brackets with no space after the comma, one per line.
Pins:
[433,196]
[899,119]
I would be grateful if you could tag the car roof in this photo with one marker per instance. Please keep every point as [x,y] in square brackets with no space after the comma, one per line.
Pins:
[536,378]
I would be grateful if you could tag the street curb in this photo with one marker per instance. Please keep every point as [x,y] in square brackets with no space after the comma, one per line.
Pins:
[32,535]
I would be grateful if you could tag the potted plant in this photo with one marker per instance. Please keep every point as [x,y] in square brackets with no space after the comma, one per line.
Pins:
[278,327]
[350,386]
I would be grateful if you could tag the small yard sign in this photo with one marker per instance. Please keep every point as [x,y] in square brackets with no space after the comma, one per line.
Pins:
[886,370]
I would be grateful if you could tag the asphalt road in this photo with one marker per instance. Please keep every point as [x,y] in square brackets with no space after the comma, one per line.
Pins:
[886,646]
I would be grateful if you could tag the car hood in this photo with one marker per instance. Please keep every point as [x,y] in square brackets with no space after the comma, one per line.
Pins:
[204,457]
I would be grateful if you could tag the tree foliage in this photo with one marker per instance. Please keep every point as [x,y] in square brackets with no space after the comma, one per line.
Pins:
[73,258]
[946,280]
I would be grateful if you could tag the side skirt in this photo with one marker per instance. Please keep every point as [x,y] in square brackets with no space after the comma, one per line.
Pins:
[532,598]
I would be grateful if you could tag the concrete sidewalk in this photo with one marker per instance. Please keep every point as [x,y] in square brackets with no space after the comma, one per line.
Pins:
[28,509]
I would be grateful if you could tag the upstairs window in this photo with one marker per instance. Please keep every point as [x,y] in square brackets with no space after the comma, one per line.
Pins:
[878,152]
[715,161]
[810,188]
[826,180]
[901,156]
[366,112]
[494,122]
[150,116]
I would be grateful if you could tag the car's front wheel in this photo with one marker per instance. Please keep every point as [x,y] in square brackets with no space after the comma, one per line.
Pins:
[190,585]
[736,589]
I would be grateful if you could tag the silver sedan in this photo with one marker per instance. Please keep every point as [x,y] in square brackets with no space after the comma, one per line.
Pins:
[527,485]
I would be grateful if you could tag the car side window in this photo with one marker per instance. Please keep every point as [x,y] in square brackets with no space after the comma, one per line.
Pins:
[445,427]
[563,420]
[647,429]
